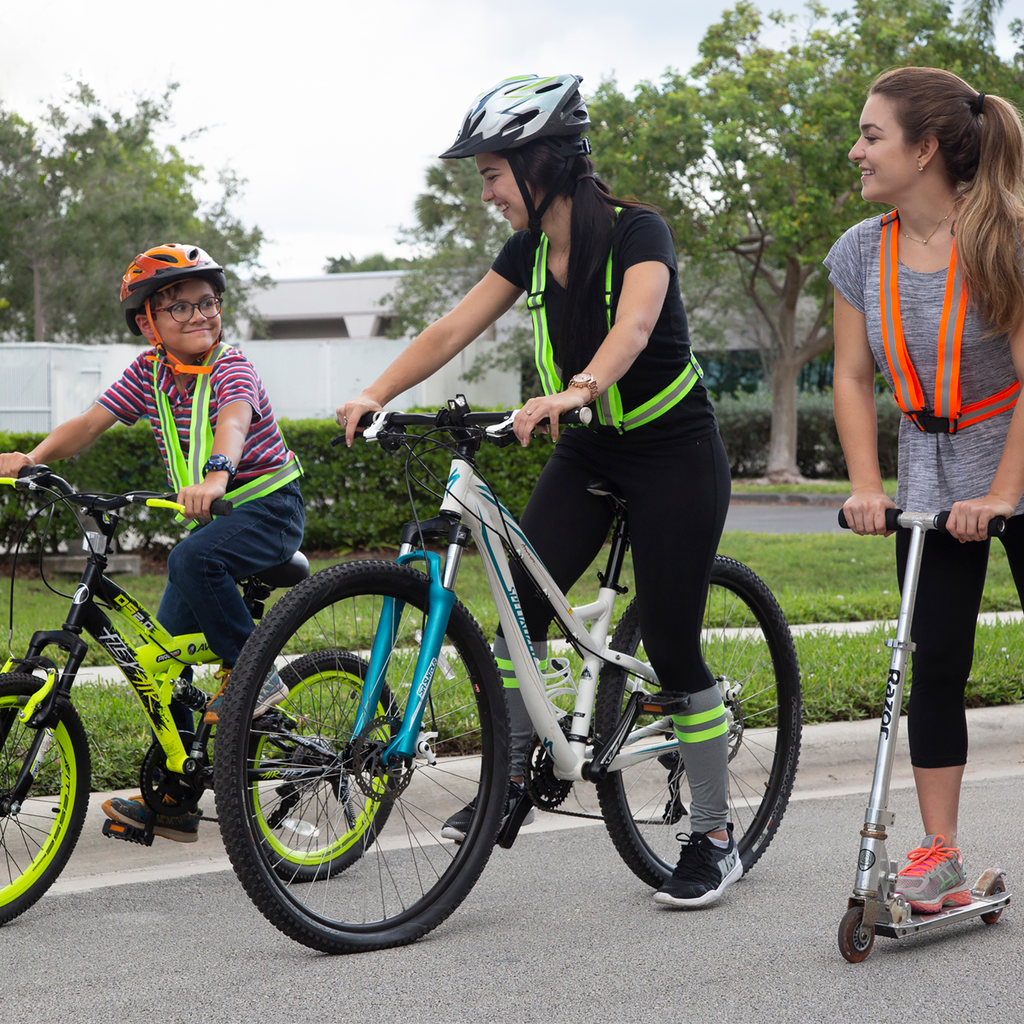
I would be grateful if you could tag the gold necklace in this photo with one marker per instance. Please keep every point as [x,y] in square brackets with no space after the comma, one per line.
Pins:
[924,241]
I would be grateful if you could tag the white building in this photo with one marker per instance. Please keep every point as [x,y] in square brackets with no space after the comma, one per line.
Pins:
[321,341]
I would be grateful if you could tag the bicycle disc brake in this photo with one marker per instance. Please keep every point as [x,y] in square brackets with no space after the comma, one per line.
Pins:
[382,782]
[163,791]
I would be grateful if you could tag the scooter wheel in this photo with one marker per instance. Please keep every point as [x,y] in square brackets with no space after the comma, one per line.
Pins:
[991,883]
[855,937]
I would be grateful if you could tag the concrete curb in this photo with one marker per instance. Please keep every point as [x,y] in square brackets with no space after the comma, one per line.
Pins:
[996,737]
[775,498]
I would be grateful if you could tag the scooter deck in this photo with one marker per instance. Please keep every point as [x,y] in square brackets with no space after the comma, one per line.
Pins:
[925,922]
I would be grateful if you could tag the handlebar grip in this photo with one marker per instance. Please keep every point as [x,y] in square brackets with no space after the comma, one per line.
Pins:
[221,507]
[892,517]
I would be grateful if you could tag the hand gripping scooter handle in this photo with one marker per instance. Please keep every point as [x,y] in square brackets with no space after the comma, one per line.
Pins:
[892,518]
[996,526]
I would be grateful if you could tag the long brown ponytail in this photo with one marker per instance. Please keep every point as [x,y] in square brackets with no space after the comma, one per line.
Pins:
[981,140]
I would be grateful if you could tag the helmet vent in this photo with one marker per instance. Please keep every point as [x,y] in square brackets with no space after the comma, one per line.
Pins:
[549,87]
[192,254]
[163,257]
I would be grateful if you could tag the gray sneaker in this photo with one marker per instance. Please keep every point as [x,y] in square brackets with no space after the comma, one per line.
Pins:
[703,873]
[934,877]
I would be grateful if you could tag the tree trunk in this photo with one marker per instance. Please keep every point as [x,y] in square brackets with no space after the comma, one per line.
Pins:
[39,324]
[782,467]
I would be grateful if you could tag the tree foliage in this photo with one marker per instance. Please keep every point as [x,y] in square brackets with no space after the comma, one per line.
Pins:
[81,193]
[747,155]
[455,239]
[375,262]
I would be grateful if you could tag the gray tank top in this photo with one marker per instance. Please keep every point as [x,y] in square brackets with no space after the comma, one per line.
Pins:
[935,470]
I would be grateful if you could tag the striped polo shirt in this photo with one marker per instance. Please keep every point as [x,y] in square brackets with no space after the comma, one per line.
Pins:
[234,379]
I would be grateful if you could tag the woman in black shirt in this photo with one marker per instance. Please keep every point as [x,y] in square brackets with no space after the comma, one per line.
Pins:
[610,331]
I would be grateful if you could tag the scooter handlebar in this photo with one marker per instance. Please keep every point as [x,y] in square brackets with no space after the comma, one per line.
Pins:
[996,526]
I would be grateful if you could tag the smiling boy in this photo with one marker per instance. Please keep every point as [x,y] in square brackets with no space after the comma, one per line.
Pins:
[216,431]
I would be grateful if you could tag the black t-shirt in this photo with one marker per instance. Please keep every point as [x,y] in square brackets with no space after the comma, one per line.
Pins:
[639,236]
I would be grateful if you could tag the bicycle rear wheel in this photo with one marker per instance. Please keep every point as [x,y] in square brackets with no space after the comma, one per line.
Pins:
[748,648]
[337,850]
[38,834]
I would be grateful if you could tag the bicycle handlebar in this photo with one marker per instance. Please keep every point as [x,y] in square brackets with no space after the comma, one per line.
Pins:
[496,426]
[893,521]
[41,476]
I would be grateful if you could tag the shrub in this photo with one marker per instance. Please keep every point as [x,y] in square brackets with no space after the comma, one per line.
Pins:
[358,497]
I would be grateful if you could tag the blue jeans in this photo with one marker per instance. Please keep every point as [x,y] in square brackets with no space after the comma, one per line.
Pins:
[201,595]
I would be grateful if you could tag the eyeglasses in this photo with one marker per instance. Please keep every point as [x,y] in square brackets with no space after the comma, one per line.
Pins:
[183,311]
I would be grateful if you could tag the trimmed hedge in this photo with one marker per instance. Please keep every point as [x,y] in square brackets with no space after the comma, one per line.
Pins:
[358,497]
[745,421]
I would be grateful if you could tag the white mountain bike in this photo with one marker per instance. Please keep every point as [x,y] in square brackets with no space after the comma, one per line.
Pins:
[332,804]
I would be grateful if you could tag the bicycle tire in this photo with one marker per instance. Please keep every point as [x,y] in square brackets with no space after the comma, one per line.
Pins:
[38,837]
[749,650]
[320,684]
[403,879]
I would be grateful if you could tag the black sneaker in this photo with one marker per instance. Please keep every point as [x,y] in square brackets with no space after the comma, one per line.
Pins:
[455,827]
[703,873]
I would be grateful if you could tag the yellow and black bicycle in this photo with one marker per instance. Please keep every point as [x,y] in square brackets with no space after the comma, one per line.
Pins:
[44,752]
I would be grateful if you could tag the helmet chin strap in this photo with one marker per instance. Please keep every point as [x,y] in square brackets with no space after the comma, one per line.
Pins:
[172,362]
[535,215]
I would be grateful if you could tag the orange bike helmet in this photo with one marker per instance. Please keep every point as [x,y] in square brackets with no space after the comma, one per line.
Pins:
[156,268]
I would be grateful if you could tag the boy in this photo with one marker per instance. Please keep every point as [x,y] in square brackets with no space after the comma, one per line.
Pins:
[217,434]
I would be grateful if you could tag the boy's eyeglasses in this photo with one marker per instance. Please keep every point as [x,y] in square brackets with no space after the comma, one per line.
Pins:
[183,311]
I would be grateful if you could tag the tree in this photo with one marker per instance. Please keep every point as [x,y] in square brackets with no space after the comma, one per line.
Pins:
[747,156]
[375,262]
[83,192]
[456,238]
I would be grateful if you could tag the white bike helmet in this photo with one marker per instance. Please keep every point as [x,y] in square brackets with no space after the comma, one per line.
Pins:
[522,109]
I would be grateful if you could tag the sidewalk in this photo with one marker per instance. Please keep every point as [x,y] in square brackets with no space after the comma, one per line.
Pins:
[837,759]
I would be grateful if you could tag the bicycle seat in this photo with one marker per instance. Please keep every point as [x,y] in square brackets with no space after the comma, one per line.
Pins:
[606,489]
[287,574]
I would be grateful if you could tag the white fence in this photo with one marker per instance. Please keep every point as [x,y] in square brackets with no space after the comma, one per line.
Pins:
[43,384]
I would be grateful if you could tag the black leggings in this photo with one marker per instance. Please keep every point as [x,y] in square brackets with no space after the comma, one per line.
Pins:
[678,496]
[948,600]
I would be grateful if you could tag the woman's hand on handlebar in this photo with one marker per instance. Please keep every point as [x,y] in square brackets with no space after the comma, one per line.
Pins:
[865,512]
[349,414]
[12,463]
[968,520]
[548,407]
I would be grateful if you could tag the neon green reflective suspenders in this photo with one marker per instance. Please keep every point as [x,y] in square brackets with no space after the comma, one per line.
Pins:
[185,472]
[609,404]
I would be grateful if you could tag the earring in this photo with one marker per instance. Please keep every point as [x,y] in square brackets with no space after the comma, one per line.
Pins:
[919,167]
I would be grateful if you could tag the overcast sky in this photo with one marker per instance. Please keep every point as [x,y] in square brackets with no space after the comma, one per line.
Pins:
[332,111]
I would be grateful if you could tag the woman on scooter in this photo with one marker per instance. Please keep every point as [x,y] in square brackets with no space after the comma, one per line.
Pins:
[932,293]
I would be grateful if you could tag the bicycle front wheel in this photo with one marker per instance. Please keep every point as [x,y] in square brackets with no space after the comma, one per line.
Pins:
[39,832]
[747,646]
[338,849]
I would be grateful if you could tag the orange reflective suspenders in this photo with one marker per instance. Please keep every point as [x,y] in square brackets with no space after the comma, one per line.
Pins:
[947,415]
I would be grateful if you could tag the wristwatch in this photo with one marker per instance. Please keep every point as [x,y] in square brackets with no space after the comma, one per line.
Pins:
[219,464]
[585,380]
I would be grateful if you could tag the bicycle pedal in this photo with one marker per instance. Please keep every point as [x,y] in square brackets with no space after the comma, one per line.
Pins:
[508,832]
[129,833]
[665,703]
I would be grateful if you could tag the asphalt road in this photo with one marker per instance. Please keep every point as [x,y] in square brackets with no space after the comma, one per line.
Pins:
[783,518]
[557,928]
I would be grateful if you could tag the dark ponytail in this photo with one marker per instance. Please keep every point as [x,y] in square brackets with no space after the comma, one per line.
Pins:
[584,318]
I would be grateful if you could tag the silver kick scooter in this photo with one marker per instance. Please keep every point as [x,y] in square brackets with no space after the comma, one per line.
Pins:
[874,905]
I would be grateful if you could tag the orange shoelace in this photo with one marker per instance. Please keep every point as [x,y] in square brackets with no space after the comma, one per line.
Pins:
[924,858]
